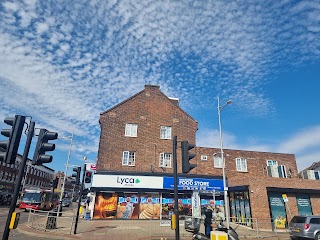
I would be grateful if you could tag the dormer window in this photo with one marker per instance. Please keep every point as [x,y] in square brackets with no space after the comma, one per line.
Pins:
[272,163]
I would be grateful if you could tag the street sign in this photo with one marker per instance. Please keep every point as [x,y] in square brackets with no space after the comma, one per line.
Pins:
[91,167]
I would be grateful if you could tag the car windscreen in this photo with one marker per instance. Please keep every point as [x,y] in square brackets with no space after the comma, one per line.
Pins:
[298,219]
[31,197]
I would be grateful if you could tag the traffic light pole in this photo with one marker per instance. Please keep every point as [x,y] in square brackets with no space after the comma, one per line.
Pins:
[79,203]
[176,198]
[18,181]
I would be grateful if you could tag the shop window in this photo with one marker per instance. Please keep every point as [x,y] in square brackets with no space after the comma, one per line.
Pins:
[165,132]
[241,164]
[217,161]
[128,206]
[128,158]
[105,206]
[149,207]
[240,210]
[165,160]
[184,205]
[131,130]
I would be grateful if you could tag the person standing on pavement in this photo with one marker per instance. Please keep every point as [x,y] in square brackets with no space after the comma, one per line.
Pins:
[208,221]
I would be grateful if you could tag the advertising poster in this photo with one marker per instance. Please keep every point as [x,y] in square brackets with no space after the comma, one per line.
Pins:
[128,206]
[278,211]
[149,206]
[184,206]
[303,203]
[238,215]
[242,210]
[232,207]
[105,206]
[196,207]
[167,208]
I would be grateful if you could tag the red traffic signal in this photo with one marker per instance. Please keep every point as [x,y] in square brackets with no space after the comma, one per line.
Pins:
[88,177]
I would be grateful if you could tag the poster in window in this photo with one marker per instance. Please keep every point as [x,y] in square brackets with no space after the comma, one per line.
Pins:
[167,208]
[149,206]
[303,203]
[128,206]
[232,207]
[278,211]
[105,206]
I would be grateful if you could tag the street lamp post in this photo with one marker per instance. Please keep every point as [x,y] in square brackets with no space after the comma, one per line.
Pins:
[225,189]
[65,174]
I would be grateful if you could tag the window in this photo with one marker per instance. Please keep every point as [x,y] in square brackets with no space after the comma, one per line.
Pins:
[204,157]
[165,160]
[128,158]
[241,164]
[165,132]
[131,130]
[217,161]
[272,163]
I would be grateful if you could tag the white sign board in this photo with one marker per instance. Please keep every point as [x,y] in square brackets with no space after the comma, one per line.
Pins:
[127,181]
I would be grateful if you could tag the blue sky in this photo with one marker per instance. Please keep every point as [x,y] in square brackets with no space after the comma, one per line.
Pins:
[64,62]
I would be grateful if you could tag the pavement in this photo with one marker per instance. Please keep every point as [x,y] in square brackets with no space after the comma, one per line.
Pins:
[123,229]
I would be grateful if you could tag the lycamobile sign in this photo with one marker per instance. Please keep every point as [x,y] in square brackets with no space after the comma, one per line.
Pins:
[127,181]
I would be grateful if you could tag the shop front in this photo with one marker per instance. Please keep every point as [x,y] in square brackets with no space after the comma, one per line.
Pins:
[152,197]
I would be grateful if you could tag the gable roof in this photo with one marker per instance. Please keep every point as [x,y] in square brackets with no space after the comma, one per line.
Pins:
[313,166]
[172,101]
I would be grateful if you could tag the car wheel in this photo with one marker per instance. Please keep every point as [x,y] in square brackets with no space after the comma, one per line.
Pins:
[317,236]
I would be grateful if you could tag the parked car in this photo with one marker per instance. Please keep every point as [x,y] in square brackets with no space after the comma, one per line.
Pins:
[307,227]
[66,202]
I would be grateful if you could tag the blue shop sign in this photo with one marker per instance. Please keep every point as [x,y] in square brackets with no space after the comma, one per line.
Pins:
[194,184]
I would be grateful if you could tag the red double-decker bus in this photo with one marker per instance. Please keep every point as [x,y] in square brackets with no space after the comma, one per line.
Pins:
[38,199]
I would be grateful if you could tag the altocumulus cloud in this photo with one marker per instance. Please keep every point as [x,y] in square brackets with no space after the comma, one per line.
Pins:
[68,62]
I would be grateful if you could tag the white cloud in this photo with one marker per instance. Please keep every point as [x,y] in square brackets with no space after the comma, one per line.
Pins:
[42,27]
[70,61]
[302,141]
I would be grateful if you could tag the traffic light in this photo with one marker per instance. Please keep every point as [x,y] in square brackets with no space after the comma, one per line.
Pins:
[186,156]
[43,146]
[77,171]
[9,148]
[55,183]
[88,177]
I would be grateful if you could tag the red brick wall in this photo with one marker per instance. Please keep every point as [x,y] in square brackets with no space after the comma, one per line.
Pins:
[149,109]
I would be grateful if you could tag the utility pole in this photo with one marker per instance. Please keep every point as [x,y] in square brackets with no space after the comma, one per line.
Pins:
[176,197]
[18,180]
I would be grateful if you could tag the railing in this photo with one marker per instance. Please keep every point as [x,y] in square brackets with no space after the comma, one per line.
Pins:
[257,227]
[51,221]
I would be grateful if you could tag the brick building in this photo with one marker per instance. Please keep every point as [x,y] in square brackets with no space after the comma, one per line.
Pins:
[34,177]
[134,168]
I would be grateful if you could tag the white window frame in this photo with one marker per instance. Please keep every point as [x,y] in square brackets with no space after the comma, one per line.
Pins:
[131,130]
[165,160]
[128,158]
[272,162]
[204,158]
[217,161]
[241,165]
[165,132]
